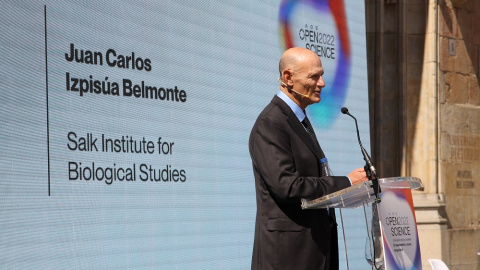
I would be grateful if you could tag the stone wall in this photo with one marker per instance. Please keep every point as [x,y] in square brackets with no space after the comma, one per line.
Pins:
[459,127]
[423,66]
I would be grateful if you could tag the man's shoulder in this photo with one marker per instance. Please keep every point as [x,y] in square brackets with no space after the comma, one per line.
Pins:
[272,120]
[276,108]
[272,112]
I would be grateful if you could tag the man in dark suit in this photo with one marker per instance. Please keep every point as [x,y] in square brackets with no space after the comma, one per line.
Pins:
[286,166]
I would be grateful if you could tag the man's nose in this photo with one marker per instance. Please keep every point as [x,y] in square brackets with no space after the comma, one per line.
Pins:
[321,82]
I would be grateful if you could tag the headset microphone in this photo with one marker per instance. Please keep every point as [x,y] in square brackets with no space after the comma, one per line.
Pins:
[291,89]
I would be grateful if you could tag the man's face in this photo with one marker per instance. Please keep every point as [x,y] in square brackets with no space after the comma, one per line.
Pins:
[308,79]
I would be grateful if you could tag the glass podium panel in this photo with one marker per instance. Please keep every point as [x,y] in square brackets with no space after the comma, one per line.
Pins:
[357,195]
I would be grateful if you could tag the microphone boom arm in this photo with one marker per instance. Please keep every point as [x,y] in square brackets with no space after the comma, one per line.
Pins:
[369,168]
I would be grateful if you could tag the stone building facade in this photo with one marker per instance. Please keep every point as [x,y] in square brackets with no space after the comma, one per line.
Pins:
[423,66]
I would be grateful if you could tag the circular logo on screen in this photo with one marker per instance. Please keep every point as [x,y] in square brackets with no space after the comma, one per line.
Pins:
[320,26]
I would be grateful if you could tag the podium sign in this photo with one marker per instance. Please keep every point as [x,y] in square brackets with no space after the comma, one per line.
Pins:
[399,228]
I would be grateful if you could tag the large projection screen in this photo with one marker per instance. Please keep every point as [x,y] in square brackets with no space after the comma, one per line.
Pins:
[125,124]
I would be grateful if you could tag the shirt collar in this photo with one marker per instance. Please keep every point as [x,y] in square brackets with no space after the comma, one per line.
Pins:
[294,106]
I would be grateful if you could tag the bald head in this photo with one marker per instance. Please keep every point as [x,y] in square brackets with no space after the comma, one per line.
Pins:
[293,58]
[301,76]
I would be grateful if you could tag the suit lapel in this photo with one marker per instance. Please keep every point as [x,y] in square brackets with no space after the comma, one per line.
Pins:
[297,126]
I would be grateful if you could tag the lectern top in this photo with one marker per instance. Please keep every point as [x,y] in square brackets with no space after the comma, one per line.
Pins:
[358,195]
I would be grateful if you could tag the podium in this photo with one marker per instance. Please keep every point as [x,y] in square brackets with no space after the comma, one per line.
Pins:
[394,234]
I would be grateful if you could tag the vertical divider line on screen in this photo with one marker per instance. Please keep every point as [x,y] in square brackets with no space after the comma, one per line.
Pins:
[46,88]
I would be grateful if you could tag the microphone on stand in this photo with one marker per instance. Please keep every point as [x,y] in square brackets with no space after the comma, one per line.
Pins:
[369,168]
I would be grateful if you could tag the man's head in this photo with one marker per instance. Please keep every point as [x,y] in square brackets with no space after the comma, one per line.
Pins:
[301,70]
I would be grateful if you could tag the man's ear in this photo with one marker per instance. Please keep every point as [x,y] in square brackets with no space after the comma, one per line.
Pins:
[287,77]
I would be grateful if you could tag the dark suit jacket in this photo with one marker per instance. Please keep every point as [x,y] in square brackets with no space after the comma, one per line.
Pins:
[287,168]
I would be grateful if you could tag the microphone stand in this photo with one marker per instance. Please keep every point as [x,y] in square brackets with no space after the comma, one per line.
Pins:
[373,176]
[369,168]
